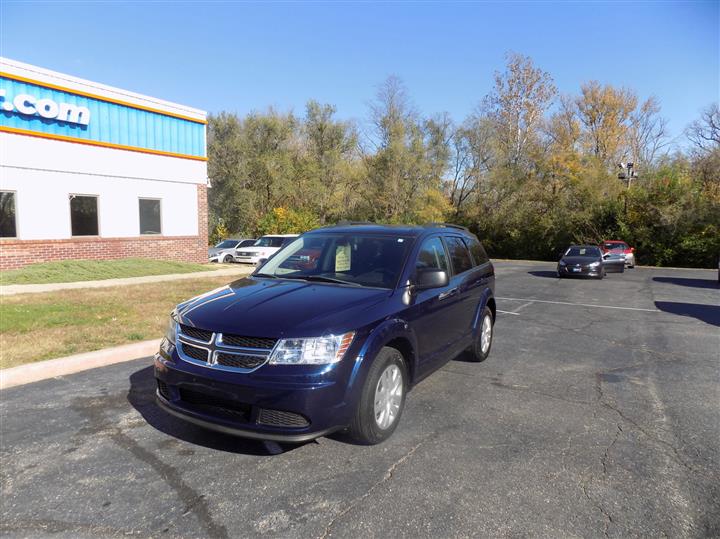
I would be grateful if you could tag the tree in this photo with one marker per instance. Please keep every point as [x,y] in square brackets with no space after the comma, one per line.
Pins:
[410,159]
[331,145]
[704,133]
[516,106]
[605,113]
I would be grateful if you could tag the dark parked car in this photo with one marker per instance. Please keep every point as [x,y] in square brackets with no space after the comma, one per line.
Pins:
[581,261]
[330,333]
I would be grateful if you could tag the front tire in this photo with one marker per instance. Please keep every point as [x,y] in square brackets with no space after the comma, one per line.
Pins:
[483,341]
[382,400]
[228,259]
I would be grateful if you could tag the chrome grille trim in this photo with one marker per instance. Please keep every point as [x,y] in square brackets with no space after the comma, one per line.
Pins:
[215,346]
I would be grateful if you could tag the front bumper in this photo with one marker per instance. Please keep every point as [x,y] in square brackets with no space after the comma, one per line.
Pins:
[579,271]
[293,408]
[247,259]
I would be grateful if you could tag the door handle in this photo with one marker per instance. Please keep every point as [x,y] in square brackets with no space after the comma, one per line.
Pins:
[448,293]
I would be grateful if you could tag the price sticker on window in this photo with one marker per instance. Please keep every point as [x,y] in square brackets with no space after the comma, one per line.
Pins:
[342,258]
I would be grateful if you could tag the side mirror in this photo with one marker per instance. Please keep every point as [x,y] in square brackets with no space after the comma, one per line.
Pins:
[632,249]
[431,278]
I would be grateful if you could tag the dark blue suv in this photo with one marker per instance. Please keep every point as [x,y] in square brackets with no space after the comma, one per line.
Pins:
[330,333]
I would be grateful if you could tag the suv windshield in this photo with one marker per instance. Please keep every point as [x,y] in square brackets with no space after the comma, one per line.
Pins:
[583,251]
[358,259]
[270,241]
[226,244]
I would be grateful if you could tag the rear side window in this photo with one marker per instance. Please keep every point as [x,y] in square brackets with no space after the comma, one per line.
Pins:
[479,255]
[459,254]
[431,256]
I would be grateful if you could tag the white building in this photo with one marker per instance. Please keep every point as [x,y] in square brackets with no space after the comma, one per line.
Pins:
[90,171]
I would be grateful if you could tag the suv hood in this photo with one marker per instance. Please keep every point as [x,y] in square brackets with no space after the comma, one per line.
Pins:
[282,308]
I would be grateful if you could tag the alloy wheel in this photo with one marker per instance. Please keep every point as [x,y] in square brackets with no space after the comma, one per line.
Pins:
[388,396]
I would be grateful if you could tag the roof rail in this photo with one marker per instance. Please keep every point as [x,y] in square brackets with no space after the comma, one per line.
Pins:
[449,225]
[347,223]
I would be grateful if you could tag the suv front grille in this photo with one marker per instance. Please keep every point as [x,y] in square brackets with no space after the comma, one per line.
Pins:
[195,352]
[278,418]
[202,402]
[230,351]
[196,333]
[240,361]
[265,343]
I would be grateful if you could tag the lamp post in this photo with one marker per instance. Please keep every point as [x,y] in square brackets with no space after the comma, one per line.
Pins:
[626,174]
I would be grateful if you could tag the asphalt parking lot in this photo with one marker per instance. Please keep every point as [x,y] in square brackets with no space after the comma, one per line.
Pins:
[597,414]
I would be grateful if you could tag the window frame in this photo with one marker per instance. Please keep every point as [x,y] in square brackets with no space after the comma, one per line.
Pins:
[160,233]
[15,207]
[97,211]
[446,240]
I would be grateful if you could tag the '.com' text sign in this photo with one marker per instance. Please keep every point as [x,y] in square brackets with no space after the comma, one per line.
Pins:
[31,107]
[45,108]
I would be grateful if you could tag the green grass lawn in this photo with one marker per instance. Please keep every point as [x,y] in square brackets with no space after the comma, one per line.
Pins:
[34,327]
[66,271]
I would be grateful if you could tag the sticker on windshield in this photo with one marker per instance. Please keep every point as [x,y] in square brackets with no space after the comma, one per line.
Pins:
[342,258]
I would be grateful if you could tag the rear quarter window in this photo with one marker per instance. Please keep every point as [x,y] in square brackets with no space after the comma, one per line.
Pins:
[479,255]
[459,254]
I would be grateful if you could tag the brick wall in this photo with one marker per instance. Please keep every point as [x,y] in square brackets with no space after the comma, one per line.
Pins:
[18,253]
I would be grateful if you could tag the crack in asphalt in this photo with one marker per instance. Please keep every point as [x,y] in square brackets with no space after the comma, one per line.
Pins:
[386,477]
[92,408]
[598,505]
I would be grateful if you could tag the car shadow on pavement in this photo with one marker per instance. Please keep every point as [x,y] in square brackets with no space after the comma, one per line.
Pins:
[141,396]
[549,274]
[710,314]
[684,281]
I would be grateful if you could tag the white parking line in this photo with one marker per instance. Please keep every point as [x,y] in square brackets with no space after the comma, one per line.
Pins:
[579,305]
[507,312]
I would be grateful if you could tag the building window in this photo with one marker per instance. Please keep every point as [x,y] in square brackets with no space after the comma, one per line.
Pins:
[84,215]
[150,222]
[8,228]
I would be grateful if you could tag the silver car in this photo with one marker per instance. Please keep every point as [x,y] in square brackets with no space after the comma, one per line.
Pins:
[225,250]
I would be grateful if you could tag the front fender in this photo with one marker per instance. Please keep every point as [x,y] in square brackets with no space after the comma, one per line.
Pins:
[378,337]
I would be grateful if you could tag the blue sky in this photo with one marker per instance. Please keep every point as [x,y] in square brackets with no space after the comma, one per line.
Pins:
[248,56]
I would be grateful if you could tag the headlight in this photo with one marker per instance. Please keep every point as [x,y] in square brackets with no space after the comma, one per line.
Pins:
[314,351]
[171,332]
[594,265]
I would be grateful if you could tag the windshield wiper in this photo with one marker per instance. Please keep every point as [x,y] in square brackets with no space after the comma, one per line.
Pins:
[320,278]
[268,275]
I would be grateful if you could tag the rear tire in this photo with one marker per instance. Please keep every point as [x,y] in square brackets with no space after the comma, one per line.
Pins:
[483,342]
[382,400]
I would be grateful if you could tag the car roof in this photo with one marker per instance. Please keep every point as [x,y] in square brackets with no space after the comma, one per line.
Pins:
[395,230]
[280,235]
[584,245]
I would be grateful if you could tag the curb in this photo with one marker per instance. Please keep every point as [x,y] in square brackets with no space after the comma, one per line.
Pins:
[51,368]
